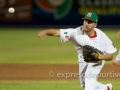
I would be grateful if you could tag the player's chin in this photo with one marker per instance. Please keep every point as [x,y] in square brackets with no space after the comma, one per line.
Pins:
[86,30]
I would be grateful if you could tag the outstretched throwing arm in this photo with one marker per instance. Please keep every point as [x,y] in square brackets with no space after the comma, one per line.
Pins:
[49,32]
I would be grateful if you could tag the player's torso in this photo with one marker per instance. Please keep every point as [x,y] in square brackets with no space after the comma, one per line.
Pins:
[83,39]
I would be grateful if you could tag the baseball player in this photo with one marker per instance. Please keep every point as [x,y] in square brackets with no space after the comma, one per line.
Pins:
[87,34]
[117,58]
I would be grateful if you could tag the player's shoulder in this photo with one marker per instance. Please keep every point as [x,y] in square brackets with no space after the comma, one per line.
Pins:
[78,30]
[102,35]
[100,32]
[73,30]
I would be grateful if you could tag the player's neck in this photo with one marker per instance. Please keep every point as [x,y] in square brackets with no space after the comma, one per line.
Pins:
[92,34]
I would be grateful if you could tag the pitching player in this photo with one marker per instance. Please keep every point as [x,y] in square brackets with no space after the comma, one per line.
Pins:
[117,58]
[87,34]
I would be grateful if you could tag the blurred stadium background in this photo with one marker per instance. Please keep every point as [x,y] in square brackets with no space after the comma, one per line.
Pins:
[58,13]
[21,49]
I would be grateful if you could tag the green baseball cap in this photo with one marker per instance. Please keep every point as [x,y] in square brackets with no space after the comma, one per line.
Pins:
[91,16]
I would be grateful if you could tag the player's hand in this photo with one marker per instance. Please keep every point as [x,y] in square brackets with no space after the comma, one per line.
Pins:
[118,33]
[41,35]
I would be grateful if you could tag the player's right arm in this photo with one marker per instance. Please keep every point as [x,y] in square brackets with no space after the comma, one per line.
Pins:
[49,32]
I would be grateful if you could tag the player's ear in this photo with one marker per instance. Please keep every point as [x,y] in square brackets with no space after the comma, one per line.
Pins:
[95,25]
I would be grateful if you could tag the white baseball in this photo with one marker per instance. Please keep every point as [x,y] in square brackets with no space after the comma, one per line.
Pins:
[11,10]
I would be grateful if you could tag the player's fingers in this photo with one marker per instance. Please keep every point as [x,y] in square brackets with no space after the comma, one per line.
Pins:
[42,37]
[95,55]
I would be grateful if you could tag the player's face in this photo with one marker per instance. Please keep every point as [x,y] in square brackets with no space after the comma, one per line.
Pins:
[89,25]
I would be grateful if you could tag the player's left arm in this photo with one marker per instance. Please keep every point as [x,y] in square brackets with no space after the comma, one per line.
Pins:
[107,57]
[110,49]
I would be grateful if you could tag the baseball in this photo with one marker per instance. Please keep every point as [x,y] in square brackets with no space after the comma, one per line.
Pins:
[11,10]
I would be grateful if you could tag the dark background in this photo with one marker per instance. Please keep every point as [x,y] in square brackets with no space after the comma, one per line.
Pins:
[39,14]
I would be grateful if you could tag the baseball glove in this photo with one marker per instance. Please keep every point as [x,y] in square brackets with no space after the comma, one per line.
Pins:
[91,54]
